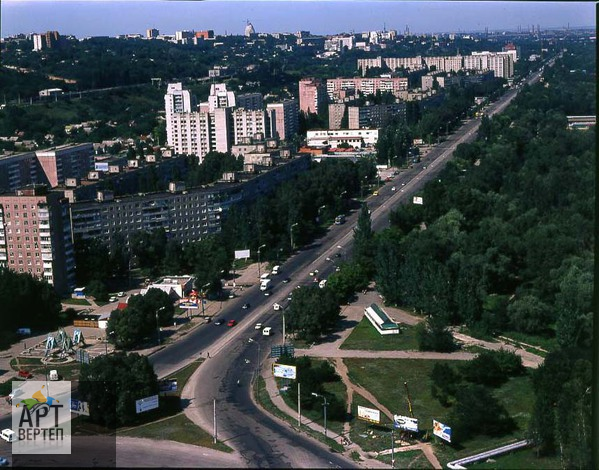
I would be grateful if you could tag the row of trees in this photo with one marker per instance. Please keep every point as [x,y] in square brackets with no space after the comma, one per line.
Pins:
[504,242]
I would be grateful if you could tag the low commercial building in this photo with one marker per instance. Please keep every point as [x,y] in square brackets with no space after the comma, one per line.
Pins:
[380,320]
[357,138]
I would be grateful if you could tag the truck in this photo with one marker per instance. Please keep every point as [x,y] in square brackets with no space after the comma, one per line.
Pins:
[265,284]
[340,219]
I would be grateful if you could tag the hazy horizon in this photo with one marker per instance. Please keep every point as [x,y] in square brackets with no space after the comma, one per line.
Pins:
[83,19]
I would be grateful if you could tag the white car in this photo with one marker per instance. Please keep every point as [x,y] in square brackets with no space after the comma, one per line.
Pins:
[277,307]
[113,299]
[258,326]
[314,273]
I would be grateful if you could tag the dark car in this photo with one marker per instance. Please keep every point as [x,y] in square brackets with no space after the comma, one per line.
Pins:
[286,280]
[245,306]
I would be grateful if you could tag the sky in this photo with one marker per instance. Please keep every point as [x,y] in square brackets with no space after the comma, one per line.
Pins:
[113,17]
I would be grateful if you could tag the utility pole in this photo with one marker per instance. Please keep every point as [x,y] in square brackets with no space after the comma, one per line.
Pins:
[284,339]
[392,448]
[299,408]
[214,407]
[259,248]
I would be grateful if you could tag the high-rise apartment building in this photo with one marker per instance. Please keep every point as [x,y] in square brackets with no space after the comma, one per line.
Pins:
[17,170]
[224,120]
[152,33]
[47,40]
[374,116]
[312,95]
[283,119]
[35,236]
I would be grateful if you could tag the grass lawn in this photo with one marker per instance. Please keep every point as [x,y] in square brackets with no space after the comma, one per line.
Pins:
[516,395]
[176,428]
[364,336]
[369,436]
[316,414]
[523,459]
[75,301]
[409,459]
[264,400]
[548,344]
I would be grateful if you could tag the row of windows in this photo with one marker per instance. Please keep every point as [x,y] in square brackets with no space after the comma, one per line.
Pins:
[20,247]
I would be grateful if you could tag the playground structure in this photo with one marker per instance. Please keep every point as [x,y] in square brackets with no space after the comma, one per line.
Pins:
[58,347]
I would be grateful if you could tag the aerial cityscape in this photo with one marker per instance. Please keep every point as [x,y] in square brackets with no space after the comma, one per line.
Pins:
[308,234]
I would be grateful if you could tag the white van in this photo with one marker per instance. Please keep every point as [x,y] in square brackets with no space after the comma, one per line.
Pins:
[264,276]
[322,284]
[54,375]
[275,270]
[266,331]
[8,435]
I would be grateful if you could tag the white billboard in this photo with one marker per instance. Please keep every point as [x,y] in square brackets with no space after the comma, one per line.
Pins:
[101,166]
[146,404]
[242,254]
[405,422]
[285,372]
[442,431]
[369,414]
[186,303]
[418,200]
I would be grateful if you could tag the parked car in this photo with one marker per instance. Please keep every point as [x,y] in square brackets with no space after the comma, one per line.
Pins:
[3,462]
[8,435]
[232,323]
[25,374]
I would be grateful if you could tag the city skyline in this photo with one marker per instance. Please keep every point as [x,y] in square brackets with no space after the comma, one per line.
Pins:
[319,17]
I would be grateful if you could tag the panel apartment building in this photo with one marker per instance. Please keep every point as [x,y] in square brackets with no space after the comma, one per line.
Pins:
[220,123]
[340,88]
[35,236]
[50,166]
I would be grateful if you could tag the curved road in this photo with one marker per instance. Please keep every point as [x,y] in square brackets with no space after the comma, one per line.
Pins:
[262,441]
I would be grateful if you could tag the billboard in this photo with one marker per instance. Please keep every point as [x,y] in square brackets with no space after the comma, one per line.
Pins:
[285,372]
[242,254]
[79,407]
[101,166]
[369,414]
[186,303]
[442,431]
[405,422]
[418,200]
[146,404]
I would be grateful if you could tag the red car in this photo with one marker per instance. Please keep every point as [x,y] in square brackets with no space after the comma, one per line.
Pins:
[231,323]
[25,374]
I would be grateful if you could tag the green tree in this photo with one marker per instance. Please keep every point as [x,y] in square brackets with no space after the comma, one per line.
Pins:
[97,289]
[528,314]
[477,411]
[350,278]
[433,335]
[312,313]
[364,240]
[445,381]
[111,385]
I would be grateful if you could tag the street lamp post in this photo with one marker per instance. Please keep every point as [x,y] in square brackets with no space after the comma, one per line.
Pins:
[157,326]
[291,234]
[259,248]
[325,411]
[319,210]
[259,362]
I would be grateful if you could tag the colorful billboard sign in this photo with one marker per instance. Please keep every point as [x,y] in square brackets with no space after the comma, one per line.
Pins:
[442,431]
[285,372]
[369,414]
[405,422]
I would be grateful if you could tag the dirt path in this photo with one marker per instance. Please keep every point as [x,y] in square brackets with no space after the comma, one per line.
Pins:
[352,388]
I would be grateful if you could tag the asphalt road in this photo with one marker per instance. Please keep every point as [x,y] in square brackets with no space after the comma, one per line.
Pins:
[262,441]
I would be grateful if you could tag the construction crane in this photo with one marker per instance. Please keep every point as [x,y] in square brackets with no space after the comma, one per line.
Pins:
[409,399]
